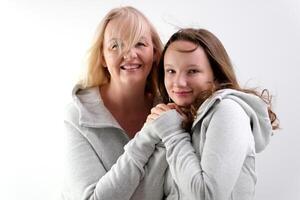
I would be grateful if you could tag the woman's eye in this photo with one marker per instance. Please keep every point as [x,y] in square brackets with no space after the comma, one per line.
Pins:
[141,44]
[114,46]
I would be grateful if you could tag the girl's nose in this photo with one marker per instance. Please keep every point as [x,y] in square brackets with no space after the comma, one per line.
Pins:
[180,81]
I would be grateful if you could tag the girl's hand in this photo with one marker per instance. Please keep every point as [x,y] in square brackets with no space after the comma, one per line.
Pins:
[180,110]
[157,111]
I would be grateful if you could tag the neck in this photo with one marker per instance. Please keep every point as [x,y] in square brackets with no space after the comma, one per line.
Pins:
[124,98]
[129,106]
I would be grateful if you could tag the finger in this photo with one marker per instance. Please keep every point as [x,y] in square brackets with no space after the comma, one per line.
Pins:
[149,119]
[159,109]
[152,117]
[172,105]
[156,110]
[176,107]
[163,107]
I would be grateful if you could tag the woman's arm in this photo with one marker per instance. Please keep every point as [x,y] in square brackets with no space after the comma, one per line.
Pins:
[214,175]
[88,179]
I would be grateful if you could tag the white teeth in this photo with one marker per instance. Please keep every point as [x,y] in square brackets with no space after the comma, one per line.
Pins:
[131,66]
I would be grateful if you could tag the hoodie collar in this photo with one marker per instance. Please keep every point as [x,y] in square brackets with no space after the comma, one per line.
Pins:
[92,111]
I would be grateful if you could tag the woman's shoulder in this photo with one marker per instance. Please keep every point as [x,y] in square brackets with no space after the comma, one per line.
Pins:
[83,99]
[71,113]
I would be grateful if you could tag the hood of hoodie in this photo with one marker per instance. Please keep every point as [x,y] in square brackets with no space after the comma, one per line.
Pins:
[255,108]
[92,111]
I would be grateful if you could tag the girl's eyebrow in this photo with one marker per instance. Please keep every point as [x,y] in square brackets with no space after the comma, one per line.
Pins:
[168,65]
[193,65]
[188,66]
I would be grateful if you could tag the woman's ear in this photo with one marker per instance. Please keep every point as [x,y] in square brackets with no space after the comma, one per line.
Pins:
[103,63]
[154,54]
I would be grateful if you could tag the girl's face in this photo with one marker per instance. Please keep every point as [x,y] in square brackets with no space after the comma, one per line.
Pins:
[187,72]
[131,66]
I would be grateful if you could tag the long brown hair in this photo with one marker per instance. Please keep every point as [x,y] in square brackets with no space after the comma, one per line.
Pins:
[221,66]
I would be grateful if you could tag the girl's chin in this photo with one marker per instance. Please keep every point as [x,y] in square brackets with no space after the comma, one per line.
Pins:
[183,104]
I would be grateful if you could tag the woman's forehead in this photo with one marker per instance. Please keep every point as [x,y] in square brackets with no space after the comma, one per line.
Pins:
[127,30]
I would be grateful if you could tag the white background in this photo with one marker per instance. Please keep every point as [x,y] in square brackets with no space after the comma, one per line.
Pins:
[42,48]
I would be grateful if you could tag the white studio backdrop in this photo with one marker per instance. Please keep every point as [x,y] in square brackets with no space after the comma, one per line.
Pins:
[43,45]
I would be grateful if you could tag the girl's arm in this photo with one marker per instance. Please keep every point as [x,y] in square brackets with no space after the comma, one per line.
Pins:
[214,175]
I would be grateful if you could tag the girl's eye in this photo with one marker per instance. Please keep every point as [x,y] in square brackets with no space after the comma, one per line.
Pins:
[193,71]
[170,71]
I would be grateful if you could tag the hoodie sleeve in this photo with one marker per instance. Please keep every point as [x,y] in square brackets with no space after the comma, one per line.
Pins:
[214,175]
[88,179]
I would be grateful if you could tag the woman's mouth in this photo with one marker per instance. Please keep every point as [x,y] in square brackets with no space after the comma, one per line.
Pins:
[130,66]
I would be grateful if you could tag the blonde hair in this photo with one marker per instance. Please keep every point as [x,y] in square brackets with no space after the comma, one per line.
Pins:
[134,23]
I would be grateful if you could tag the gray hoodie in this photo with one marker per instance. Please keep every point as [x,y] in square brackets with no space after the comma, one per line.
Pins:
[216,161]
[97,166]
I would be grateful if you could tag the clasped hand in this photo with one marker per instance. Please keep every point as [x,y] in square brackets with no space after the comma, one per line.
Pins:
[160,109]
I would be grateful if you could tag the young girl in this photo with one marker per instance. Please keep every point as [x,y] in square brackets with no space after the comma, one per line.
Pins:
[228,124]
[109,106]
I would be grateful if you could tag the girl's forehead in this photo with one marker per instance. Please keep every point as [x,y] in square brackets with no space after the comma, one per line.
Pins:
[183,46]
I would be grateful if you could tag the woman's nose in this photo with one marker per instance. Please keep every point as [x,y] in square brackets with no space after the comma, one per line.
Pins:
[130,54]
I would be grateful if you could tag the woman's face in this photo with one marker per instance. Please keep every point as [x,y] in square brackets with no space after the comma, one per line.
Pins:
[131,66]
[187,72]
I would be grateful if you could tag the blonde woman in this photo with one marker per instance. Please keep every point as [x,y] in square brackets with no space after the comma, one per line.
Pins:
[110,106]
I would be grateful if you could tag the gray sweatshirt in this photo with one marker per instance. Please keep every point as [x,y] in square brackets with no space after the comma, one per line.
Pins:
[97,166]
[216,161]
